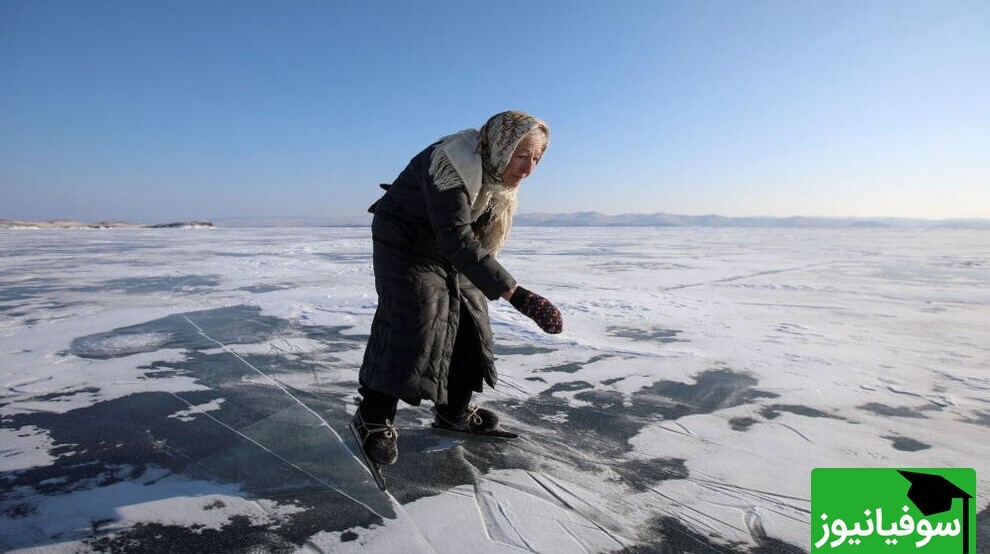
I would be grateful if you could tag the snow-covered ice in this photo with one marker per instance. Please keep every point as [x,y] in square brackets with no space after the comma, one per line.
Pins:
[189,390]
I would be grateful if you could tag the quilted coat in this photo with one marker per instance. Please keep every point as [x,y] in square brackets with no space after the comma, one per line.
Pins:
[430,271]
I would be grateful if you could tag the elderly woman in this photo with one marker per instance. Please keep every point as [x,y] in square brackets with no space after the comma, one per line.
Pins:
[436,232]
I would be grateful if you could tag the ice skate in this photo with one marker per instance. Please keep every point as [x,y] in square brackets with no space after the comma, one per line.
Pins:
[475,421]
[379,445]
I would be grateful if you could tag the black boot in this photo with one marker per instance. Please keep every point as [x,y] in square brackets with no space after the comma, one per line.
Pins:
[380,441]
[472,419]
[373,426]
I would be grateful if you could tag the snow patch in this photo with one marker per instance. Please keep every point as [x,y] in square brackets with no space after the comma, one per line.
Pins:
[192,412]
[24,448]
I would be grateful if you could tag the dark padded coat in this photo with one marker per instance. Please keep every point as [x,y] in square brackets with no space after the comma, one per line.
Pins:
[429,271]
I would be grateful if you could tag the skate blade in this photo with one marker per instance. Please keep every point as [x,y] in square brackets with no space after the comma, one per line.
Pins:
[373,468]
[497,433]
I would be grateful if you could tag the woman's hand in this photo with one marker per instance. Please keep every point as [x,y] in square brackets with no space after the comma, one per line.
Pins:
[537,308]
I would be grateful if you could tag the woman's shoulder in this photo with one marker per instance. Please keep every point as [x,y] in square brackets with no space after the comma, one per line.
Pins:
[420,163]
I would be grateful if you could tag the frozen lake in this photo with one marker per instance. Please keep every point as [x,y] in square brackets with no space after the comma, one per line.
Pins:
[189,390]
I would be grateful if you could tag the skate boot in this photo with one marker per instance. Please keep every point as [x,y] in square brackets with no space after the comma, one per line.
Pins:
[379,442]
[474,420]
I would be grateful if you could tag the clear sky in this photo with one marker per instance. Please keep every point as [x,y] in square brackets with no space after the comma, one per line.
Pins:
[171,110]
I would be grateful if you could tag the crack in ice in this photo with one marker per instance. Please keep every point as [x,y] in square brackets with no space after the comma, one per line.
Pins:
[395,503]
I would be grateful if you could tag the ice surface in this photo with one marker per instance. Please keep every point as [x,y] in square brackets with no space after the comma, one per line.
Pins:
[191,388]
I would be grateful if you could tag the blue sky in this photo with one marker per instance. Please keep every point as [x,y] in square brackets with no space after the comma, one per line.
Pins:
[153,111]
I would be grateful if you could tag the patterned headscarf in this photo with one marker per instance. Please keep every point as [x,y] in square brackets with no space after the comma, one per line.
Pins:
[477,160]
[500,136]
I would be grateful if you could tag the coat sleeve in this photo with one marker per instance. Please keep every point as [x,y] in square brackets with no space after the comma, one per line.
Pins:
[450,217]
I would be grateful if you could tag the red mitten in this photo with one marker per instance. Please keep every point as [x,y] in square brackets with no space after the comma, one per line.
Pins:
[539,309]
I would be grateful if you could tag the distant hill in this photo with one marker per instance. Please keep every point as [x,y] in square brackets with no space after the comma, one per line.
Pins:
[596,219]
[71,224]
[359,220]
[580,219]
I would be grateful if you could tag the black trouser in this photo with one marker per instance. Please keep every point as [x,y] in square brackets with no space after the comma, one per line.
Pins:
[463,379]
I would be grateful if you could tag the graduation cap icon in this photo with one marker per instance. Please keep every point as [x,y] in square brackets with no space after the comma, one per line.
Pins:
[933,494]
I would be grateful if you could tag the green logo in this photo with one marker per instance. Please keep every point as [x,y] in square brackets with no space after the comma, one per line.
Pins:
[880,510]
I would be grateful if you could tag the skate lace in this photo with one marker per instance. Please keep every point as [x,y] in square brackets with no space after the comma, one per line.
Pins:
[473,416]
[470,416]
[385,429]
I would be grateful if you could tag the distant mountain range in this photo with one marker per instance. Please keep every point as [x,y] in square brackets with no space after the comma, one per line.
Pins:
[72,224]
[580,219]
[596,219]
[360,220]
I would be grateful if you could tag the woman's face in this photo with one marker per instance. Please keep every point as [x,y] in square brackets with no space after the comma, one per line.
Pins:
[524,160]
